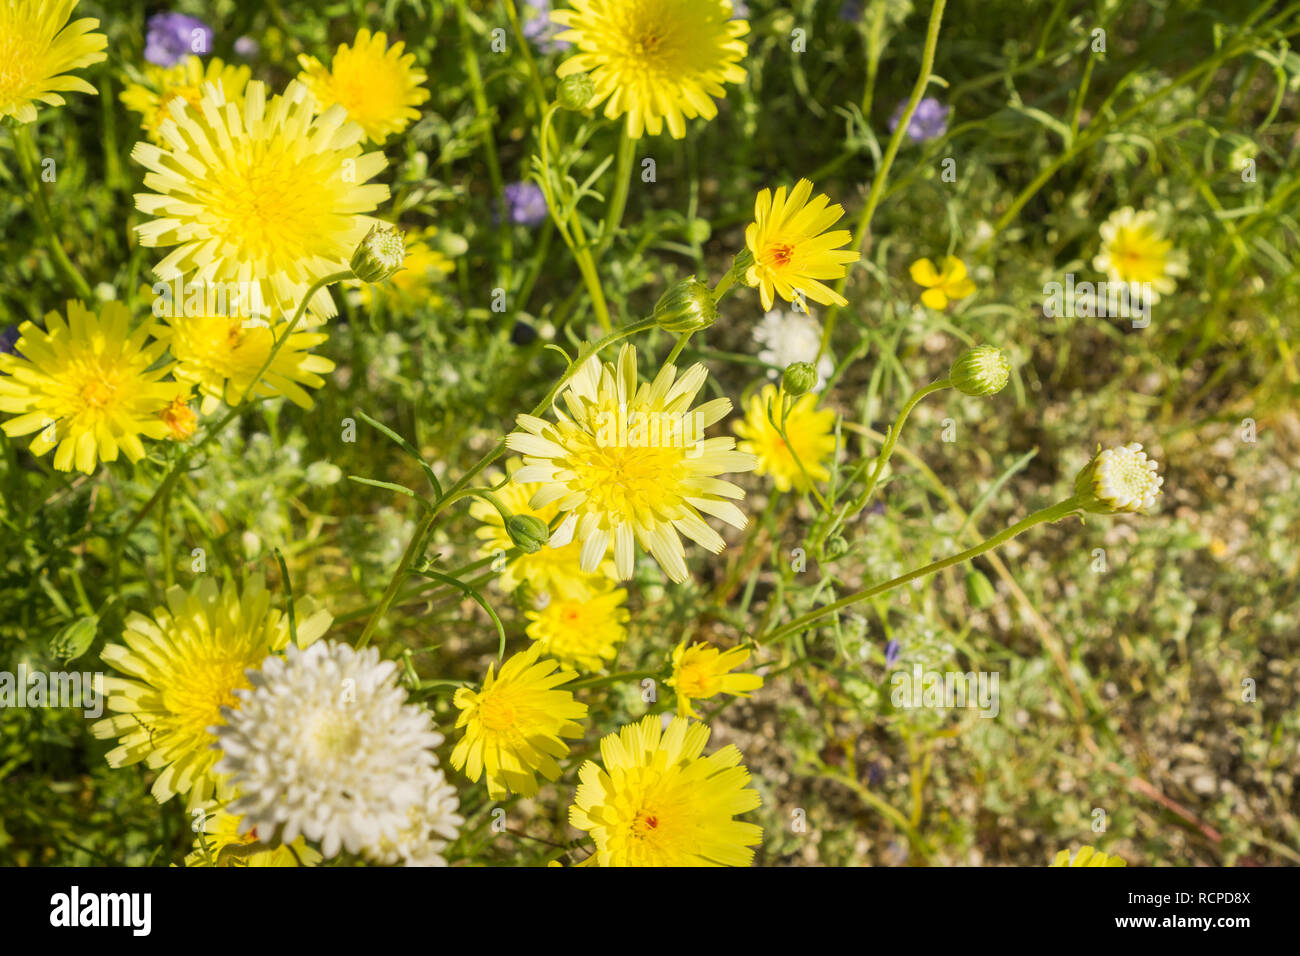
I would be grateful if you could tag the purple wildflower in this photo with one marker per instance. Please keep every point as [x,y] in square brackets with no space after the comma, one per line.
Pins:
[174,36]
[247,48]
[930,121]
[540,28]
[525,204]
[8,338]
[893,651]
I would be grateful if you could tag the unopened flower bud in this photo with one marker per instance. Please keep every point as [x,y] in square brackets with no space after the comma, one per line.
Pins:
[1118,479]
[379,255]
[688,306]
[528,532]
[983,370]
[576,91]
[799,378]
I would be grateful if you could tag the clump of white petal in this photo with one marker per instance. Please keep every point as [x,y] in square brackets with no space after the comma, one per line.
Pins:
[1119,479]
[791,336]
[326,745]
[434,823]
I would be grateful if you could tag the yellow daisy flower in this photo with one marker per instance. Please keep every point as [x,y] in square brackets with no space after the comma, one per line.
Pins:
[258,191]
[659,802]
[810,434]
[791,248]
[184,81]
[187,661]
[221,830]
[940,286]
[550,570]
[630,464]
[376,84]
[86,385]
[220,355]
[515,725]
[582,631]
[654,60]
[1087,856]
[37,44]
[1134,250]
[180,419]
[701,672]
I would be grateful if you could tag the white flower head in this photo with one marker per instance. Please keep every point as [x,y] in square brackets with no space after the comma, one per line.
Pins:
[791,336]
[326,745]
[1118,479]
[433,823]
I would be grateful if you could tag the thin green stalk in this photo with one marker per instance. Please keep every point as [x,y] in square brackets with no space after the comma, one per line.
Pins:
[479,96]
[622,184]
[25,149]
[887,450]
[895,142]
[1056,512]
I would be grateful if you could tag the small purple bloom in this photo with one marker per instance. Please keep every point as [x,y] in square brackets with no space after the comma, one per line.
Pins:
[893,650]
[8,338]
[875,774]
[174,36]
[739,10]
[540,28]
[851,10]
[247,48]
[526,204]
[930,121]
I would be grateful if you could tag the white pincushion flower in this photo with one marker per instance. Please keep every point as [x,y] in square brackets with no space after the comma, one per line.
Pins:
[326,745]
[790,337]
[434,822]
[1118,479]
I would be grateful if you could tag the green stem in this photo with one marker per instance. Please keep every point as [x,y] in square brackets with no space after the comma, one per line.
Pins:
[887,450]
[25,149]
[618,199]
[1055,513]
[895,142]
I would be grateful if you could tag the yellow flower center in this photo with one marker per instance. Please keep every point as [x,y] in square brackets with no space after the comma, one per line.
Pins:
[334,734]
[497,712]
[626,480]
[203,685]
[778,255]
[1138,255]
[694,680]
[98,394]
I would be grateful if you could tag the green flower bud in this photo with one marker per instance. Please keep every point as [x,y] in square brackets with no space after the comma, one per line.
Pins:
[1118,479]
[74,639]
[576,92]
[688,306]
[529,533]
[979,591]
[836,547]
[799,378]
[379,255]
[983,370]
